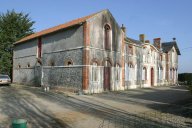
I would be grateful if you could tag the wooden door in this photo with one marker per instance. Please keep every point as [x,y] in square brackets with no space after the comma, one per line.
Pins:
[152,77]
[107,73]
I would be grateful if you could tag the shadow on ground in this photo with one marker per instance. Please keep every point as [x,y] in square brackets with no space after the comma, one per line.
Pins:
[14,106]
[109,114]
[173,100]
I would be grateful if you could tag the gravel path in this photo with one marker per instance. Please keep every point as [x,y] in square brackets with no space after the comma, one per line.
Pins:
[133,108]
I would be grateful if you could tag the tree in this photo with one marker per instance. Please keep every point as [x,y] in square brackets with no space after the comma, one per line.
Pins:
[13,27]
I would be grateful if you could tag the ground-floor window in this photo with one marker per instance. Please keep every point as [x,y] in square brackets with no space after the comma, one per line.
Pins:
[144,73]
[117,72]
[94,71]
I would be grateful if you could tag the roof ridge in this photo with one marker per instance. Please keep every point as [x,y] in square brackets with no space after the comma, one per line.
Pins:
[59,27]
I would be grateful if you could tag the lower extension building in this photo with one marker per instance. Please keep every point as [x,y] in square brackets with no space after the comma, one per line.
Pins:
[93,54]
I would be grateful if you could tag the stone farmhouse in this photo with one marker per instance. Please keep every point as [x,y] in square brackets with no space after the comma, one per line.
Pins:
[93,54]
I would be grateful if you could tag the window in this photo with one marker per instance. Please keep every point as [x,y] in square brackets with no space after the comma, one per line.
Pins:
[161,73]
[173,75]
[39,48]
[68,62]
[117,72]
[19,66]
[51,63]
[107,64]
[107,36]
[131,72]
[28,65]
[161,57]
[158,74]
[170,74]
[144,73]
[126,72]
[136,72]
[94,72]
[130,50]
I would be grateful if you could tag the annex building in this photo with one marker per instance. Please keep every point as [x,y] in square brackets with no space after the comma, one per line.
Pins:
[93,54]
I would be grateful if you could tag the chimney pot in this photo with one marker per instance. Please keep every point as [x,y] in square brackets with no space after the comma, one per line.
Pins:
[123,28]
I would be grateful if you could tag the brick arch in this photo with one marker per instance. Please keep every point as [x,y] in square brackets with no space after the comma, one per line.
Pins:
[108,59]
[117,64]
[95,60]
[107,25]
[131,63]
[145,73]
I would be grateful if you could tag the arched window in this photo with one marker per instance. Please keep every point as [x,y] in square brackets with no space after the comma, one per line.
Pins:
[130,50]
[94,71]
[170,74]
[117,72]
[107,36]
[158,74]
[161,73]
[131,71]
[107,63]
[52,63]
[144,74]
[161,57]
[173,74]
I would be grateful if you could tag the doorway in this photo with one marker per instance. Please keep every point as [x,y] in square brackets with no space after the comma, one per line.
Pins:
[107,75]
[152,77]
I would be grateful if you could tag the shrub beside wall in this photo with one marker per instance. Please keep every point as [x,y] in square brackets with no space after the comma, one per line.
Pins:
[186,79]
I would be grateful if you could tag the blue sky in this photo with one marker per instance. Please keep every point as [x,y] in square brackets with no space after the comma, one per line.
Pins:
[155,18]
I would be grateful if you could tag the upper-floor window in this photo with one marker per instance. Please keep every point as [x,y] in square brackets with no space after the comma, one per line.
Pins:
[39,48]
[107,36]
[161,57]
[130,50]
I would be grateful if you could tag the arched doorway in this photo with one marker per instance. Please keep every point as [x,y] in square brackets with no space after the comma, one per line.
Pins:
[107,74]
[152,77]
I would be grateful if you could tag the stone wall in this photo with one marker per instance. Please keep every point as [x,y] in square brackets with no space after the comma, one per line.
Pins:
[57,47]
[70,77]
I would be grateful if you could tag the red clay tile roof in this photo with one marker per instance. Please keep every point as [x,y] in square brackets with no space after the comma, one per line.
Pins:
[56,28]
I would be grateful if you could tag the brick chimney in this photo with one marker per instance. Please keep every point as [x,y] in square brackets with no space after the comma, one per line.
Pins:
[147,41]
[157,42]
[123,28]
[142,38]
